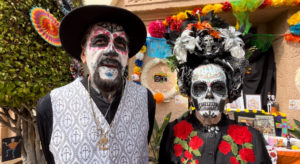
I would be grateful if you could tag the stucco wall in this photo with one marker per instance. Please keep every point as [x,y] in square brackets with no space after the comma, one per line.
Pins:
[287,58]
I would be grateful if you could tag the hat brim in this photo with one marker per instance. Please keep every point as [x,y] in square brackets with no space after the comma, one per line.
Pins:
[75,24]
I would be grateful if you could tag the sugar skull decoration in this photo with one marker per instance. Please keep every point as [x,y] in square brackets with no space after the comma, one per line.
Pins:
[210,61]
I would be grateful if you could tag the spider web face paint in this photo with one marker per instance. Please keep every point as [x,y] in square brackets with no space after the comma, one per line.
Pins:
[209,90]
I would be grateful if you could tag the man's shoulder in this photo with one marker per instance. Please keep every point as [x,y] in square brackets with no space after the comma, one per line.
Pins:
[69,85]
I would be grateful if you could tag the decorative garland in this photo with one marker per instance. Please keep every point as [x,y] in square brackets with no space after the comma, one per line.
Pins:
[294,22]
[166,95]
[138,65]
[240,9]
[255,111]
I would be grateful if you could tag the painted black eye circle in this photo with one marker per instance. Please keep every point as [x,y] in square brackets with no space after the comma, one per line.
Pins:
[100,41]
[219,88]
[199,88]
[120,43]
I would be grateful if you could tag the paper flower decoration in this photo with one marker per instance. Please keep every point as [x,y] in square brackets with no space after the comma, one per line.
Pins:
[156,29]
[232,42]
[295,29]
[46,25]
[159,97]
[294,19]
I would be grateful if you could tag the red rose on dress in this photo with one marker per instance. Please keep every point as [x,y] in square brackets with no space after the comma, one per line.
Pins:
[224,147]
[178,150]
[182,160]
[240,134]
[196,161]
[188,155]
[183,129]
[247,155]
[233,160]
[195,142]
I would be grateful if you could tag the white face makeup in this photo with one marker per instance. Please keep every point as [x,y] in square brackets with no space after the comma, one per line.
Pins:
[107,50]
[209,90]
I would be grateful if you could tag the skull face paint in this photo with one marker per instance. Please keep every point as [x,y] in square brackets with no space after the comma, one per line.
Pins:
[208,42]
[209,90]
[106,52]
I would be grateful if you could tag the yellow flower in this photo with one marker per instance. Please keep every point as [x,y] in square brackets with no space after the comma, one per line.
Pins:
[206,9]
[174,17]
[181,16]
[266,113]
[263,111]
[238,110]
[228,109]
[274,114]
[290,2]
[294,19]
[137,70]
[282,114]
[188,11]
[192,108]
[246,110]
[254,111]
[218,8]
[294,147]
[165,23]
[143,49]
[277,3]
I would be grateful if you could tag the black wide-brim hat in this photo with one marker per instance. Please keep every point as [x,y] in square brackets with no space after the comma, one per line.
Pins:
[74,25]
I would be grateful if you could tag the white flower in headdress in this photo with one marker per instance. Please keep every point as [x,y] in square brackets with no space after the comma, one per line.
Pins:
[183,44]
[140,56]
[232,42]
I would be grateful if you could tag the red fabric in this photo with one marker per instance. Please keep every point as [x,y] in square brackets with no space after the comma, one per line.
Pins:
[178,150]
[183,129]
[227,6]
[247,155]
[224,147]
[240,134]
[188,155]
[195,142]
[233,160]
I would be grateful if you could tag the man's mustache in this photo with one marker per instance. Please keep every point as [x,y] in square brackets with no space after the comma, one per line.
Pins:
[110,63]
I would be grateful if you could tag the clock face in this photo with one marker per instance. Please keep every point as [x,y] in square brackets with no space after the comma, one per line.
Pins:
[160,78]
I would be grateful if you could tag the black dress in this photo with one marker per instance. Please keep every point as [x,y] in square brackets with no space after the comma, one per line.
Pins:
[187,141]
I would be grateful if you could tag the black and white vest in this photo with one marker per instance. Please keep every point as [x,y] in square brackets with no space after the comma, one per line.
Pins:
[74,136]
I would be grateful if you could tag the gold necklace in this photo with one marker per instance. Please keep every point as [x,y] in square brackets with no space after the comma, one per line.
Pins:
[103,140]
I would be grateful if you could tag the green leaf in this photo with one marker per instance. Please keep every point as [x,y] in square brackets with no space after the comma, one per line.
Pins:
[181,142]
[248,145]
[227,138]
[243,162]
[196,152]
[193,133]
[238,158]
[297,123]
[234,148]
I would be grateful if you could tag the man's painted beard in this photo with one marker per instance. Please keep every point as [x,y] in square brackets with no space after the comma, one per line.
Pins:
[209,90]
[108,75]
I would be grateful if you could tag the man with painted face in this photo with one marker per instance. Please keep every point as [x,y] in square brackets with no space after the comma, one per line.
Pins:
[102,118]
[210,74]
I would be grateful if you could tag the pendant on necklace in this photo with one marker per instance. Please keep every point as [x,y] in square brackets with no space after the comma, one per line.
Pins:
[102,143]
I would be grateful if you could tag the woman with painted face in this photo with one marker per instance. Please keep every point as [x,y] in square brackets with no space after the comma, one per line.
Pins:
[210,72]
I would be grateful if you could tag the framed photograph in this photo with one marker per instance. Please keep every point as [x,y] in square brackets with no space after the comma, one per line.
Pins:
[253,102]
[265,124]
[247,120]
[237,104]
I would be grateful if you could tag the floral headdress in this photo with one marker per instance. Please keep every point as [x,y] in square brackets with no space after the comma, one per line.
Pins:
[203,40]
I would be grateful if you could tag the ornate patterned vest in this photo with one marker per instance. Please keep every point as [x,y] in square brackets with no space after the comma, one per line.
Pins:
[74,136]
